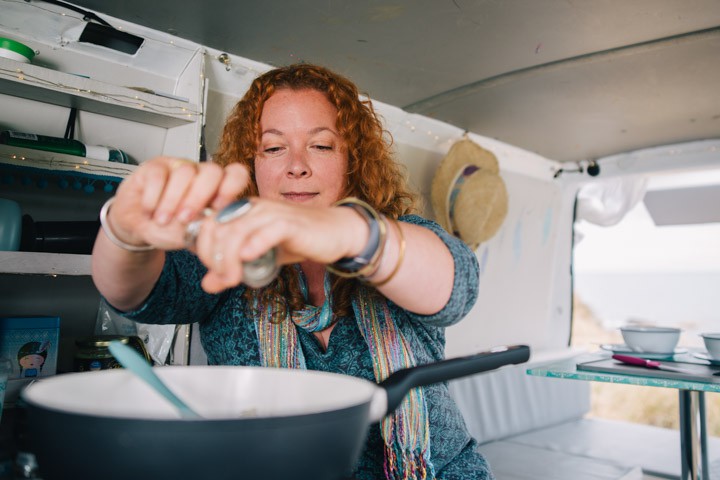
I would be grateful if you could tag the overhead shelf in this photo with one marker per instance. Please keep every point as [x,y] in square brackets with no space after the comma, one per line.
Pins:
[45,164]
[58,88]
[62,164]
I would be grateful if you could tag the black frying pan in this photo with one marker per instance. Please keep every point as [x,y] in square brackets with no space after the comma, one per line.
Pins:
[259,423]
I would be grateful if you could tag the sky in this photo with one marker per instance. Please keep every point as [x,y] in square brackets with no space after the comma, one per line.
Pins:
[636,244]
[667,275]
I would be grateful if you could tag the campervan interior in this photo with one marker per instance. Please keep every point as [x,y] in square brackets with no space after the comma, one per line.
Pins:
[605,121]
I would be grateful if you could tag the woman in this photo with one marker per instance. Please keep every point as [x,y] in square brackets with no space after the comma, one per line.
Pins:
[302,147]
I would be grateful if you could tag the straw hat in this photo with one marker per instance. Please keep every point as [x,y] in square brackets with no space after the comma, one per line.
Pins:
[468,196]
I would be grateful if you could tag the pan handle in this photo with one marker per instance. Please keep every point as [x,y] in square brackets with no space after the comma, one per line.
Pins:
[398,384]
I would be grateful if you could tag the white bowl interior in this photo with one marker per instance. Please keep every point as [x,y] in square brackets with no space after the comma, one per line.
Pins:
[215,392]
[651,339]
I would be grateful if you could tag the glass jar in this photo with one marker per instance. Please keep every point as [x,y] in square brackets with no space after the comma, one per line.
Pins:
[93,354]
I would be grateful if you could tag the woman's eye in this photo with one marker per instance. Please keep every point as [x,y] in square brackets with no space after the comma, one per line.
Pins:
[272,150]
[324,147]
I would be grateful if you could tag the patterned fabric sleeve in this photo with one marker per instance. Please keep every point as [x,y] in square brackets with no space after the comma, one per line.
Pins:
[177,296]
[467,277]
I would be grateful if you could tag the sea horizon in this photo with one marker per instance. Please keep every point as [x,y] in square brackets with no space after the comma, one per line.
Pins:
[687,300]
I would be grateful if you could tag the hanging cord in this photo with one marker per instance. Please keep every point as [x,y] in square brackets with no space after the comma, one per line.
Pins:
[203,148]
[87,15]
[70,127]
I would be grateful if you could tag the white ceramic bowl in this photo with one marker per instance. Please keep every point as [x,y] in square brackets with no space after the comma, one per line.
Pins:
[651,339]
[712,344]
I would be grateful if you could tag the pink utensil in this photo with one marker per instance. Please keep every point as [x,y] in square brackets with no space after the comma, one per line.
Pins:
[630,360]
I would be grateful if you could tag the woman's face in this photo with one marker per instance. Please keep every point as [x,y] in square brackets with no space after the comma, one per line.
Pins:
[301,156]
[32,361]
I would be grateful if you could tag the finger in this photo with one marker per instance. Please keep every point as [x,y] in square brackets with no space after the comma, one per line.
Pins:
[136,203]
[219,247]
[223,272]
[234,182]
[163,237]
[214,283]
[205,244]
[201,192]
[228,241]
[287,258]
[212,256]
[261,233]
[253,239]
[128,211]
[264,226]
[182,174]
[219,253]
[150,179]
[269,225]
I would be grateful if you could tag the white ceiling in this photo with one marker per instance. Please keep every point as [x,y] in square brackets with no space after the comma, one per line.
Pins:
[570,80]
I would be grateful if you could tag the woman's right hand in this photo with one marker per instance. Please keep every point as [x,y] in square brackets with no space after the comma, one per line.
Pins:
[154,205]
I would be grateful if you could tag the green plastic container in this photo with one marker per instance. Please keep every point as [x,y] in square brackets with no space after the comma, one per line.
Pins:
[42,142]
[15,50]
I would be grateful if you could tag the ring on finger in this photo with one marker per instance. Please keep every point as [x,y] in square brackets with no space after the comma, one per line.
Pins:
[178,162]
[218,257]
[191,233]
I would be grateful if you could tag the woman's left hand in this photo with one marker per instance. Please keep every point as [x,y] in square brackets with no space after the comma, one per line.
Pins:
[300,233]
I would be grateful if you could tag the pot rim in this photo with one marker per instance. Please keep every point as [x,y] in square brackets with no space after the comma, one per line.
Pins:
[651,329]
[348,392]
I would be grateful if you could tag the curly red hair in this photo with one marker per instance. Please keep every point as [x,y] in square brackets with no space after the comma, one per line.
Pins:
[373,175]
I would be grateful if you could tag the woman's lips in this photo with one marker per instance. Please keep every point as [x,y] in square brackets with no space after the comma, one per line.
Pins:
[299,196]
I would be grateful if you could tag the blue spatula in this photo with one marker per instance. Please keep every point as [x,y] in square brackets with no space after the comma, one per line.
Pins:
[135,363]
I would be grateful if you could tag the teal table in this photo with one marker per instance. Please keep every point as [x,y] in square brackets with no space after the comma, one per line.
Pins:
[693,434]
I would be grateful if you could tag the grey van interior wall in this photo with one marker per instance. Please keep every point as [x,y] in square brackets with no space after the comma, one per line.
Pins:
[520,300]
[525,283]
[218,108]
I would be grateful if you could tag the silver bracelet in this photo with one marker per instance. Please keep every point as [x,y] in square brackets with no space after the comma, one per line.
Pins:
[111,235]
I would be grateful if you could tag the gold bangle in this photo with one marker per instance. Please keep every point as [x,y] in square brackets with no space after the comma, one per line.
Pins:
[374,262]
[401,256]
[105,223]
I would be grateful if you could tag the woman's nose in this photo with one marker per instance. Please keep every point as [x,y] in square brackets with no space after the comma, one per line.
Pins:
[298,165]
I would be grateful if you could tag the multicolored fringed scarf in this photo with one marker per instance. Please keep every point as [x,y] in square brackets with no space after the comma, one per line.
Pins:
[406,432]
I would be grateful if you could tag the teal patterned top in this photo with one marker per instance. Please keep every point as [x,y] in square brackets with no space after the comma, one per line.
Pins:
[228,337]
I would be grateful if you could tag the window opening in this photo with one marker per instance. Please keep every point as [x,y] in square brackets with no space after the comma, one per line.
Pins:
[647,251]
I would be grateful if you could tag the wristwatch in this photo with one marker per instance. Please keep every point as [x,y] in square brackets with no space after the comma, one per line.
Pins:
[363,259]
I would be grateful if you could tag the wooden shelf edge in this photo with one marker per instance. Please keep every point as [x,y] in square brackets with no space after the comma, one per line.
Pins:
[41,263]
